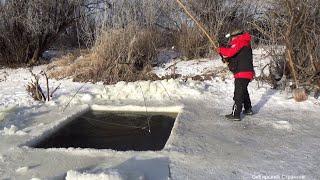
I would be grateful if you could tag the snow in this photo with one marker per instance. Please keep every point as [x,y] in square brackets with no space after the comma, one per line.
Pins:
[281,139]
[87,98]
[187,68]
[1,158]
[112,175]
[282,125]
[139,168]
[13,130]
[22,170]
[6,111]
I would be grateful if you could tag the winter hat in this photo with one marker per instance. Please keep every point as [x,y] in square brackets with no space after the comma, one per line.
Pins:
[234,33]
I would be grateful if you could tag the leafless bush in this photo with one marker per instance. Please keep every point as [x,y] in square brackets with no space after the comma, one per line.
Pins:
[126,41]
[118,55]
[218,16]
[292,29]
[29,27]
[35,90]
[191,43]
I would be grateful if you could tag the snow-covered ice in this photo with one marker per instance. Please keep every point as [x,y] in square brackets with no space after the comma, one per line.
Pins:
[283,138]
[140,168]
[13,130]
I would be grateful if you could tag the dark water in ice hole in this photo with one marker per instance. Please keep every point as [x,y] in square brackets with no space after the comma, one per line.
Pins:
[120,131]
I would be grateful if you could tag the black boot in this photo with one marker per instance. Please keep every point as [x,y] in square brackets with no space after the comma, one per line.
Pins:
[235,115]
[248,112]
[232,117]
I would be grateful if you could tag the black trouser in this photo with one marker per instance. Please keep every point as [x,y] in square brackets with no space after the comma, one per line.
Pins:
[241,96]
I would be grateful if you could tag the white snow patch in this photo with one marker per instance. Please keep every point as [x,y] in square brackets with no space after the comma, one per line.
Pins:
[285,125]
[138,168]
[51,103]
[158,90]
[13,130]
[108,175]
[187,68]
[41,124]
[131,108]
[5,111]
[22,170]
[87,98]
[2,158]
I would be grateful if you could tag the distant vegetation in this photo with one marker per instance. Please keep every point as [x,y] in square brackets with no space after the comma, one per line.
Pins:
[123,37]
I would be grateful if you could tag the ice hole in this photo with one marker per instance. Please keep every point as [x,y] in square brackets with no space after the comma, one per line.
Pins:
[121,131]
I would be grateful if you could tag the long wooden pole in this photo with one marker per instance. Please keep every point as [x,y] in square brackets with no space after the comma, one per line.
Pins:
[212,41]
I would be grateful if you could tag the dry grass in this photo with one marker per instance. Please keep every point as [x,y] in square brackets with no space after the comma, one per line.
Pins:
[118,55]
[300,95]
[191,43]
[63,61]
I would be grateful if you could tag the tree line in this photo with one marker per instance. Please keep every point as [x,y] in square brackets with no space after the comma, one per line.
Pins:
[289,27]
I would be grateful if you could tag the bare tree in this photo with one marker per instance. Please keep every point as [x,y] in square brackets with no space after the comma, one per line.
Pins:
[294,25]
[221,16]
[29,27]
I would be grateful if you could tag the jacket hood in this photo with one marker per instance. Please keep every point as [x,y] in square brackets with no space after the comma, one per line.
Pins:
[244,39]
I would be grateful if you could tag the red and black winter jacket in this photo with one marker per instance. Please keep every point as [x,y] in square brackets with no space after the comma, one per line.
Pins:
[239,56]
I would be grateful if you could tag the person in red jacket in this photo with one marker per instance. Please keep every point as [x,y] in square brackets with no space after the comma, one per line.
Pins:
[238,55]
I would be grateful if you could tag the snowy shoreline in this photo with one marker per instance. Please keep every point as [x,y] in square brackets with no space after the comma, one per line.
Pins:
[282,138]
